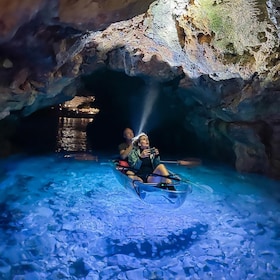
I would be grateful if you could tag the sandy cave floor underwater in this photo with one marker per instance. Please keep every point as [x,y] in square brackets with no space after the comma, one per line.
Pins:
[62,218]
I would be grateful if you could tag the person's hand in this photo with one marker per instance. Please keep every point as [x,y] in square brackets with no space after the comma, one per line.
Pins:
[145,153]
[156,152]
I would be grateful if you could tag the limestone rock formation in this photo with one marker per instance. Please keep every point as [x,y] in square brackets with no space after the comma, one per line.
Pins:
[225,55]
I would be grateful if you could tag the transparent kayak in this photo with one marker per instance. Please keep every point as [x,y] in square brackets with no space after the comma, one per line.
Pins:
[166,196]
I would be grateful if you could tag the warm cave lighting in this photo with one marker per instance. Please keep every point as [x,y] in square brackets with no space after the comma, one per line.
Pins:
[79,106]
[71,135]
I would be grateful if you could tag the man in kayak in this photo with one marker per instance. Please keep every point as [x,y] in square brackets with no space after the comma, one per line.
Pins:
[146,161]
[126,147]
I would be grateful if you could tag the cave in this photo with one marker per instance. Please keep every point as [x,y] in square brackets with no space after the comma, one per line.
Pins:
[207,104]
[124,101]
[201,78]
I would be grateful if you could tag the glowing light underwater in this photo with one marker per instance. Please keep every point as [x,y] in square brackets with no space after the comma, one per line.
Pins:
[68,219]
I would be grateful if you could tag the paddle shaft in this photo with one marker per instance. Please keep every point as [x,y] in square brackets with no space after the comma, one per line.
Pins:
[169,161]
[183,162]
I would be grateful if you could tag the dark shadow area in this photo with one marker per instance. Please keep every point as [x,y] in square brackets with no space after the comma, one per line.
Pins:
[169,246]
[37,133]
[114,92]
[122,101]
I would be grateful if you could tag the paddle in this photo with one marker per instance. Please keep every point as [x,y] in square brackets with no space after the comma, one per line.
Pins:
[186,162]
[173,176]
[82,156]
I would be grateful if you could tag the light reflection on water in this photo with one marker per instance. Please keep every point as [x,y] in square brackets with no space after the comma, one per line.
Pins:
[71,135]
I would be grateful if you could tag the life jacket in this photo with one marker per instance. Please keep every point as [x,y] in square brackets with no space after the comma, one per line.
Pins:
[123,163]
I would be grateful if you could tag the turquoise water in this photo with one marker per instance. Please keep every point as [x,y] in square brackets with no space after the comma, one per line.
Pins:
[63,218]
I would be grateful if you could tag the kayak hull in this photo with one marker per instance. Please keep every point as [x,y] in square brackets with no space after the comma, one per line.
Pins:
[166,196]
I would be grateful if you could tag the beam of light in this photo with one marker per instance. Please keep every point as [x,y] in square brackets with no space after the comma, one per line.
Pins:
[150,98]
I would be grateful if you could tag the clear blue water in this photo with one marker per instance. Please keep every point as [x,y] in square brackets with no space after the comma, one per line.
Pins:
[62,218]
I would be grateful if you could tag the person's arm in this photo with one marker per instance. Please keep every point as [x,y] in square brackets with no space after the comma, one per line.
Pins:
[134,159]
[125,152]
[156,158]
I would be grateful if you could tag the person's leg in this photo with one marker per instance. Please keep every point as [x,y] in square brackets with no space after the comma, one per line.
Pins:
[135,177]
[160,170]
[129,173]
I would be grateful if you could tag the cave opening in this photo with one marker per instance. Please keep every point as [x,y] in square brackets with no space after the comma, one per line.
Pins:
[124,101]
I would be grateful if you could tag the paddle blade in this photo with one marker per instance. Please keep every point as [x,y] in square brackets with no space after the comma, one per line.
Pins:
[190,162]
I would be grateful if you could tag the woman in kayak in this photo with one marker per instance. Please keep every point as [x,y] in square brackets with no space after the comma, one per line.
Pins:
[146,161]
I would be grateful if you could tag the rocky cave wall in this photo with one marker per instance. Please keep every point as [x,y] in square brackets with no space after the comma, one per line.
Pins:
[225,55]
